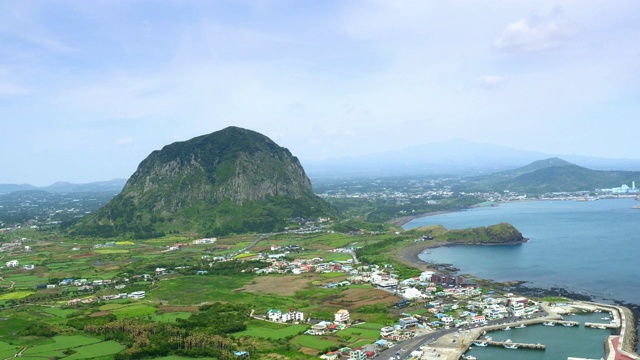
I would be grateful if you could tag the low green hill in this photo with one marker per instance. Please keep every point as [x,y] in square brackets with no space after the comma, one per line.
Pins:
[550,175]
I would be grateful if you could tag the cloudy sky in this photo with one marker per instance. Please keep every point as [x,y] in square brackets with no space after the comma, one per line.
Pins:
[89,88]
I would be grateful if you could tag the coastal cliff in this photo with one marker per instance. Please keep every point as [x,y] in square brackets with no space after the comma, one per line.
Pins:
[499,234]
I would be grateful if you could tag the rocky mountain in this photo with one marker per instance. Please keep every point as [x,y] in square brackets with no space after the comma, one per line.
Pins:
[230,181]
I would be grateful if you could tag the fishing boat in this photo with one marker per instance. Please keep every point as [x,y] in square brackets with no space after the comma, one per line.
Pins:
[510,346]
[470,357]
[521,326]
[568,324]
[507,328]
[549,323]
[480,343]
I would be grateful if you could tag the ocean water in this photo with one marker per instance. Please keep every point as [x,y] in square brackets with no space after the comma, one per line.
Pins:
[560,341]
[590,247]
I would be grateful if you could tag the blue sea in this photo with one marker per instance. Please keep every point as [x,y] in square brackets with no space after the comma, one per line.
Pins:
[587,247]
[590,247]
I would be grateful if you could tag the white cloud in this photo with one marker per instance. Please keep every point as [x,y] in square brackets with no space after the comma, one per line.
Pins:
[124,141]
[490,81]
[535,33]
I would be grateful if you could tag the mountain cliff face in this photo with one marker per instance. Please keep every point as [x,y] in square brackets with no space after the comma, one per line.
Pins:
[230,181]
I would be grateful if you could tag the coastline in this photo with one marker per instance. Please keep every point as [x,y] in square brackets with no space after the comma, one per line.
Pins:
[410,256]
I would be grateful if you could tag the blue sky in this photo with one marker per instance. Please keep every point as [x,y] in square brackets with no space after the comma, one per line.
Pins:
[89,88]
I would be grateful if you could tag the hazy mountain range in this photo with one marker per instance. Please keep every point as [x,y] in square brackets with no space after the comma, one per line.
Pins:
[455,157]
[114,185]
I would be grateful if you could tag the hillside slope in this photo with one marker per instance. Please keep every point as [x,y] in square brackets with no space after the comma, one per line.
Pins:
[230,181]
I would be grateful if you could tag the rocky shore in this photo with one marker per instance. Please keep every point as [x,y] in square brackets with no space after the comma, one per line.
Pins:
[409,256]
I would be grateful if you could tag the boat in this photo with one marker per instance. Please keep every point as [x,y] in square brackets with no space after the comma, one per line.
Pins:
[606,318]
[507,328]
[470,357]
[568,324]
[510,346]
[549,323]
[480,343]
[601,327]
[597,311]
[521,326]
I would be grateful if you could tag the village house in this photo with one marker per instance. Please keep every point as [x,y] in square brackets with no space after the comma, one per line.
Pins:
[387,331]
[358,354]
[204,241]
[12,263]
[292,315]
[342,316]
[412,293]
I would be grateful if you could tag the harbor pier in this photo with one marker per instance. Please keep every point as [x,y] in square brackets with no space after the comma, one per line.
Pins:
[517,345]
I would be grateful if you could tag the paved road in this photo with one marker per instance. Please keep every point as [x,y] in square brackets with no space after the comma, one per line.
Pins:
[405,348]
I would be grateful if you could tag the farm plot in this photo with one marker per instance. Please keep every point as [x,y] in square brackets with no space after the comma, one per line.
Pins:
[266,333]
[313,342]
[97,350]
[59,344]
[7,350]
[132,310]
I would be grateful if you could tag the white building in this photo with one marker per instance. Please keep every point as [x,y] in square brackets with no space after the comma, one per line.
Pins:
[204,241]
[137,295]
[274,315]
[13,263]
[411,294]
[292,315]
[342,316]
[426,276]
[387,331]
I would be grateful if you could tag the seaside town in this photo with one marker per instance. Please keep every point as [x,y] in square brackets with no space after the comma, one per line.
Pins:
[438,314]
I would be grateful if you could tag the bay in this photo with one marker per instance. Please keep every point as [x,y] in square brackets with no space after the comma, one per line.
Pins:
[590,247]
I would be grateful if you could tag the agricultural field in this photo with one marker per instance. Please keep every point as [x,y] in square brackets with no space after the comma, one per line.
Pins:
[313,342]
[74,347]
[266,330]
[15,295]
[179,293]
[7,350]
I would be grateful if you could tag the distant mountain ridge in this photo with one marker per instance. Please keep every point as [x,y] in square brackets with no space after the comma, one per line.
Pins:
[230,181]
[114,185]
[453,157]
[550,175]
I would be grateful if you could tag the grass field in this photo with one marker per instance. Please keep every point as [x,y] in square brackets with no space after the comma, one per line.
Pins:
[15,295]
[7,350]
[59,344]
[24,281]
[313,342]
[264,332]
[332,275]
[361,333]
[170,317]
[190,290]
[97,350]
[61,313]
[12,325]
[131,310]
[111,251]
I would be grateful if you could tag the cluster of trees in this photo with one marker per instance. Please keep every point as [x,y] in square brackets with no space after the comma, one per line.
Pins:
[203,334]
[502,233]
[381,210]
